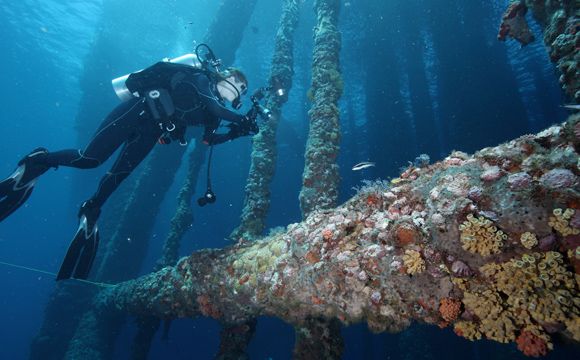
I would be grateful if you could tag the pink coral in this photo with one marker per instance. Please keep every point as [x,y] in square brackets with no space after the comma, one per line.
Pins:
[492,174]
[461,269]
[519,181]
[558,179]
[475,194]
[531,345]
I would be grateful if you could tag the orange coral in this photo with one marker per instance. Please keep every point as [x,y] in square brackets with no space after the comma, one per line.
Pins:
[327,234]
[450,309]
[207,308]
[312,257]
[531,345]
[373,200]
[406,235]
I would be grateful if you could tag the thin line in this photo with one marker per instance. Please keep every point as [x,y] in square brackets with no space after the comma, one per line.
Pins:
[54,275]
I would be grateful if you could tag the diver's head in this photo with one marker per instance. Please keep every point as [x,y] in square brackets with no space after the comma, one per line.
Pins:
[232,84]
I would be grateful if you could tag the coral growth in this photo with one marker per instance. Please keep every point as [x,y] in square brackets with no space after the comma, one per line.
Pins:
[529,240]
[514,24]
[467,329]
[538,291]
[561,222]
[450,309]
[560,24]
[413,261]
[531,345]
[479,235]
[350,264]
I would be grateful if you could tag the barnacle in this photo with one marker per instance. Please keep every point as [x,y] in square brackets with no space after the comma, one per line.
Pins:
[479,235]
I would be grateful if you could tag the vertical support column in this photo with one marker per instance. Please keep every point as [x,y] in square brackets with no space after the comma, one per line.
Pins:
[321,338]
[321,178]
[318,339]
[264,154]
[235,339]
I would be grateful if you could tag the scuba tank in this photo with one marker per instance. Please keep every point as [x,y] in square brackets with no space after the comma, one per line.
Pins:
[120,83]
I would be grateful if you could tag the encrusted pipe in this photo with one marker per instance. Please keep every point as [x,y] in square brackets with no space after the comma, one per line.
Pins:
[320,179]
[449,244]
[264,154]
[560,21]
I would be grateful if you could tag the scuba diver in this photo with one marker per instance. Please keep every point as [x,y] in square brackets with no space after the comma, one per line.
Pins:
[160,103]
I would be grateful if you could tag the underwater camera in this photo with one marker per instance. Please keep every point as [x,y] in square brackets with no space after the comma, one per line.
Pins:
[259,94]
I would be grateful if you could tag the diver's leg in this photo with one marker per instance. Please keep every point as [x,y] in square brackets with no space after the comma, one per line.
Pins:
[112,133]
[134,151]
[82,250]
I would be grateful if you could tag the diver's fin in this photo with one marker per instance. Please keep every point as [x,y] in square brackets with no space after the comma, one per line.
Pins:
[16,189]
[81,252]
[12,196]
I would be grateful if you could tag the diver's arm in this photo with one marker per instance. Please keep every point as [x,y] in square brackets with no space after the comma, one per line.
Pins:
[210,137]
[211,101]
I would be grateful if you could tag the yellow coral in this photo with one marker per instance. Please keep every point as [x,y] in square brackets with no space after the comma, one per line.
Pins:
[573,327]
[413,262]
[561,222]
[500,329]
[524,292]
[529,240]
[467,329]
[479,235]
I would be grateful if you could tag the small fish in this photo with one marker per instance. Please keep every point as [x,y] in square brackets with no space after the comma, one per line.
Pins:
[363,165]
[572,106]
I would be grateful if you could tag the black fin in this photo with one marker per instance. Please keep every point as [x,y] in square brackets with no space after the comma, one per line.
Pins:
[12,196]
[81,252]
[87,257]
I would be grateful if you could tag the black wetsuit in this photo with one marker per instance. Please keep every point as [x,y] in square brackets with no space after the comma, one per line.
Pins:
[132,125]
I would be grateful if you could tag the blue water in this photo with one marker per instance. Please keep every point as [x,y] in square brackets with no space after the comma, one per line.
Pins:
[421,76]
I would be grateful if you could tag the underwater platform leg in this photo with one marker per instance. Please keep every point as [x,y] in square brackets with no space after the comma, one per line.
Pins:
[81,252]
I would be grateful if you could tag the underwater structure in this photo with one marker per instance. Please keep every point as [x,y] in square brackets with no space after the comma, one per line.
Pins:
[487,244]
[561,23]
[263,166]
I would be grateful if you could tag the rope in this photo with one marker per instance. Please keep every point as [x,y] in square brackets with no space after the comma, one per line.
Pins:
[54,275]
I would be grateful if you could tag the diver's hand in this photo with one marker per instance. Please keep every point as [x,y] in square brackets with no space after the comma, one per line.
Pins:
[251,115]
[249,126]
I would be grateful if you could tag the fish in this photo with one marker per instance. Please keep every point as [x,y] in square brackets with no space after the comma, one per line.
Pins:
[571,106]
[363,165]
